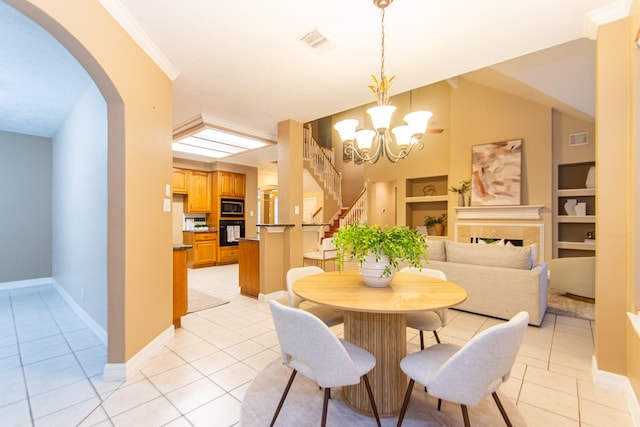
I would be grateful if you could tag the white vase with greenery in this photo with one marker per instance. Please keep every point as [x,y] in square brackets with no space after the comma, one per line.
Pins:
[373,245]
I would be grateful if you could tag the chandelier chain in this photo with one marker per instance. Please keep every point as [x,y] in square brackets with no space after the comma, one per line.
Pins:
[382,47]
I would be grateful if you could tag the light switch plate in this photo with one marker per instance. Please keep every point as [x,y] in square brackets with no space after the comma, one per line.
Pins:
[167,190]
[167,205]
[296,210]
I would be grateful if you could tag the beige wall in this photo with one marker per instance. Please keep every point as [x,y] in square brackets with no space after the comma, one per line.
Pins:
[138,96]
[481,115]
[617,346]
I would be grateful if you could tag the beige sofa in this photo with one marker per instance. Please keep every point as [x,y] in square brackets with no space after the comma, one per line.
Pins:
[500,280]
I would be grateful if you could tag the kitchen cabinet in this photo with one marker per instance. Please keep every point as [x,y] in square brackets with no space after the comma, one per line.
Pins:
[199,192]
[205,246]
[228,254]
[180,181]
[249,267]
[180,290]
[230,184]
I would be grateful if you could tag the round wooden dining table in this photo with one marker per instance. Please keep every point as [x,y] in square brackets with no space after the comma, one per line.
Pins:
[375,319]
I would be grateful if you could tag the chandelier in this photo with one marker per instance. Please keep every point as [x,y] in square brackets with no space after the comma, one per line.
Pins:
[370,145]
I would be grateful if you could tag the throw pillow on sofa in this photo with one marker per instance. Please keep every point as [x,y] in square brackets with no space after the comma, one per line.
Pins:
[436,250]
[490,255]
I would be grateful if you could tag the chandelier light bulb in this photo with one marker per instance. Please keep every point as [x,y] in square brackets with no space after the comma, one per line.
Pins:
[403,136]
[381,117]
[418,121]
[346,129]
[364,139]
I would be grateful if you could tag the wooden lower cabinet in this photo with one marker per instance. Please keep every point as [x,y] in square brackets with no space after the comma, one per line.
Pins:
[180,290]
[228,254]
[204,251]
[249,267]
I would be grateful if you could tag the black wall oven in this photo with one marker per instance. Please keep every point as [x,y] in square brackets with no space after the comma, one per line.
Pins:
[230,231]
[231,207]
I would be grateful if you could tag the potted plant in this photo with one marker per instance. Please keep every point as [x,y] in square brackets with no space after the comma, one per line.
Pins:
[436,224]
[379,250]
[461,191]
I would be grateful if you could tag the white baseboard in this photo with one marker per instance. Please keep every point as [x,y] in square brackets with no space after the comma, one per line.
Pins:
[121,371]
[26,283]
[619,383]
[88,320]
[273,295]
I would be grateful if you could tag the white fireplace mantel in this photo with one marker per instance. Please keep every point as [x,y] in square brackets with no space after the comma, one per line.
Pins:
[499,212]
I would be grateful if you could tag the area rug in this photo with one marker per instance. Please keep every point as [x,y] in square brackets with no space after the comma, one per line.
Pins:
[200,301]
[303,406]
[573,306]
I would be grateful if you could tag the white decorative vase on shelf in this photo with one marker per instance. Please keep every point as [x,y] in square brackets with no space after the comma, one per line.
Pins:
[591,178]
[467,200]
[570,206]
[372,271]
[581,209]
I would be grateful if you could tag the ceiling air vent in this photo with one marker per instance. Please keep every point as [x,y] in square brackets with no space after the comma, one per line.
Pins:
[317,41]
[581,138]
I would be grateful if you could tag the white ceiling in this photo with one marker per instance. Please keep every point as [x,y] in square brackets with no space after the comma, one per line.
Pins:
[242,62]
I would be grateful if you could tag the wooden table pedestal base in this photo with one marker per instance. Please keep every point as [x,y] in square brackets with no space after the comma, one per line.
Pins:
[385,336]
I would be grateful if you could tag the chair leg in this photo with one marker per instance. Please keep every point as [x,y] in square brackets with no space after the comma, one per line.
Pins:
[371,399]
[325,404]
[435,334]
[421,340]
[407,397]
[465,416]
[501,408]
[284,396]
[439,403]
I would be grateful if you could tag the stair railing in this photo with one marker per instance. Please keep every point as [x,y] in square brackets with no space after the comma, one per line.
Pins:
[321,164]
[357,212]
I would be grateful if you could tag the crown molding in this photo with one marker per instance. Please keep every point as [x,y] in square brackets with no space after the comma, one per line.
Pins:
[131,26]
[604,15]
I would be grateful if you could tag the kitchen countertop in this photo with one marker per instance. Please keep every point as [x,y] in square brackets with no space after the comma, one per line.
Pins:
[211,230]
[249,239]
[181,247]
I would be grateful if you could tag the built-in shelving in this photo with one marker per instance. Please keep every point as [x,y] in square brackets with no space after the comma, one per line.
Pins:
[577,246]
[427,199]
[577,192]
[586,219]
[570,231]
[426,196]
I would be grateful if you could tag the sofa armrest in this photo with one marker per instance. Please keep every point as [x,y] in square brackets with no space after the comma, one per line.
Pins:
[498,291]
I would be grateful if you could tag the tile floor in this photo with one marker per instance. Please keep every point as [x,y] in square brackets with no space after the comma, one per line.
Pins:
[50,365]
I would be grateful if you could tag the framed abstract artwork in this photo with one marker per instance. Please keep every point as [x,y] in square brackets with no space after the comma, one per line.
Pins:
[496,173]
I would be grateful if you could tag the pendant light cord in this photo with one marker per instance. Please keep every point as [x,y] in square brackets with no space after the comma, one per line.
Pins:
[382,46]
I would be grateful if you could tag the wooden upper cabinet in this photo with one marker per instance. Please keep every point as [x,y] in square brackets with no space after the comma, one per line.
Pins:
[180,181]
[230,184]
[199,193]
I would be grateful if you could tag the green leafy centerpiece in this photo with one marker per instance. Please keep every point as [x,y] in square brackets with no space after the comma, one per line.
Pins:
[379,249]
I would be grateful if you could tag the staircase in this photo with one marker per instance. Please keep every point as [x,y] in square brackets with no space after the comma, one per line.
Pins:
[320,164]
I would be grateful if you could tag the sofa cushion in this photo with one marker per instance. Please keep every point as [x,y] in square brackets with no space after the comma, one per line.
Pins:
[436,250]
[533,255]
[490,255]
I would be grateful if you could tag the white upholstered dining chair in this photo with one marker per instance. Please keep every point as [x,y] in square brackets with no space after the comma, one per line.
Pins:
[330,316]
[466,374]
[308,346]
[427,320]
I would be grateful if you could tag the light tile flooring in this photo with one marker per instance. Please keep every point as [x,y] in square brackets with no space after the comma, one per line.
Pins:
[50,365]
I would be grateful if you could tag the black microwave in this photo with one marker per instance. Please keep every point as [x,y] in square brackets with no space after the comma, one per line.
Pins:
[231,207]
